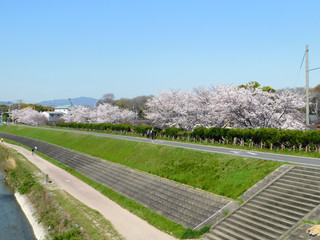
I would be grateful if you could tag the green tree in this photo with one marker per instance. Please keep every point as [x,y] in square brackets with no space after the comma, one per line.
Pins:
[268,89]
[123,103]
[141,114]
[257,85]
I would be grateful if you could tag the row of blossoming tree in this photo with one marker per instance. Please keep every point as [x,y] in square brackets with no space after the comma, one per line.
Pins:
[28,116]
[103,113]
[222,106]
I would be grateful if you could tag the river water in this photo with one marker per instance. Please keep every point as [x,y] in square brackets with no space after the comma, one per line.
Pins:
[13,223]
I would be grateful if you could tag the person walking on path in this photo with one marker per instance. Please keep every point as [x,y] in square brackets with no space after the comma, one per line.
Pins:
[152,133]
[32,150]
[148,133]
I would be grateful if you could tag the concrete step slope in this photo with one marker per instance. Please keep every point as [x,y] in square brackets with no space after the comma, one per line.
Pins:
[181,204]
[275,210]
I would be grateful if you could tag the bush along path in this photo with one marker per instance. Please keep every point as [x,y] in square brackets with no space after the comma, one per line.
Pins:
[184,205]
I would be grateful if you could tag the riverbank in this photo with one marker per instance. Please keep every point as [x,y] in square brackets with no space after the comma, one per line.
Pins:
[128,225]
[56,209]
[39,231]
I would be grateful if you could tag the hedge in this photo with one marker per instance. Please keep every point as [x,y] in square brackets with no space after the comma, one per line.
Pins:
[120,127]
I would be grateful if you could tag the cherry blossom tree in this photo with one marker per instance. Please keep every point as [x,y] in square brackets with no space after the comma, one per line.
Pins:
[253,108]
[184,110]
[170,109]
[107,113]
[28,116]
[103,113]
[249,107]
[78,114]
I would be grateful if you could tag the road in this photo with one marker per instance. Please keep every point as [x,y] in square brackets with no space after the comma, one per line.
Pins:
[308,161]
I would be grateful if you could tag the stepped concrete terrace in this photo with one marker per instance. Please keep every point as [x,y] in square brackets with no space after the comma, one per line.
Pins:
[182,204]
[274,211]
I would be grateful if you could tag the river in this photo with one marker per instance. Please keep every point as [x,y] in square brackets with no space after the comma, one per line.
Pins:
[13,222]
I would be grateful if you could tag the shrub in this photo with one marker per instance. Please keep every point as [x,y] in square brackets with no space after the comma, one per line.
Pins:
[172,131]
[142,129]
[199,132]
[216,133]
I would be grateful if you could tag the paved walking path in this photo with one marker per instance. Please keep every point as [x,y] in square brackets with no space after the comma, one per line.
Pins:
[127,224]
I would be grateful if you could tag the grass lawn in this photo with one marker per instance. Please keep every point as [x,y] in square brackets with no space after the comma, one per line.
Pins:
[224,175]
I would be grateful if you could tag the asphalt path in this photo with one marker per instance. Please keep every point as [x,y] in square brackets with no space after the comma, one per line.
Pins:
[308,161]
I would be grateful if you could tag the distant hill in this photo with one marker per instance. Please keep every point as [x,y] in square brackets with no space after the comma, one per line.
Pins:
[4,102]
[85,101]
[8,102]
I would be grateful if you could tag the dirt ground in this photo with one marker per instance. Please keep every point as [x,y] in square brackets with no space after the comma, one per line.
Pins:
[128,225]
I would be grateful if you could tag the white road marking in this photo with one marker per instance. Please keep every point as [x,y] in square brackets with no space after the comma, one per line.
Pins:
[252,153]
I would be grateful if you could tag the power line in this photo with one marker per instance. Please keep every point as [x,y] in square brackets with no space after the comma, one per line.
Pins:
[304,55]
[298,75]
[314,69]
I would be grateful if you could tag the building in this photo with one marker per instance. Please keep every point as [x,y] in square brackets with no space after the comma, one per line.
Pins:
[58,112]
[52,116]
[62,109]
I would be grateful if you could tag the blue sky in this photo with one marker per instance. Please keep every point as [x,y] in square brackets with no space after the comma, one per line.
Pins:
[66,49]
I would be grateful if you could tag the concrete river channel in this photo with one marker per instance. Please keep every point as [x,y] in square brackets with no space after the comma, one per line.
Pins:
[13,222]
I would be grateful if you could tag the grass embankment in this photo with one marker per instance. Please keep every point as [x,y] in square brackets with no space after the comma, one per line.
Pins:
[67,217]
[309,152]
[228,176]
[224,175]
[138,209]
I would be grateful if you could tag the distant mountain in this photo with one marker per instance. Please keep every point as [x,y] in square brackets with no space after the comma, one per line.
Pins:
[4,102]
[85,101]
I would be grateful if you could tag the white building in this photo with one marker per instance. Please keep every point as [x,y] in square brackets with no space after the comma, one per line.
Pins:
[59,111]
[62,109]
[51,116]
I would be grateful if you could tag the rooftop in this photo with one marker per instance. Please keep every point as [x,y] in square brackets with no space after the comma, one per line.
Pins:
[63,106]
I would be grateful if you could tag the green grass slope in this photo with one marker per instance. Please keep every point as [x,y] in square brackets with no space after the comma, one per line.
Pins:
[224,175]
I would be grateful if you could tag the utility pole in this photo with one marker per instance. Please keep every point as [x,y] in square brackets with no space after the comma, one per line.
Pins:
[307,88]
[317,104]
[20,103]
[2,112]
[9,112]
